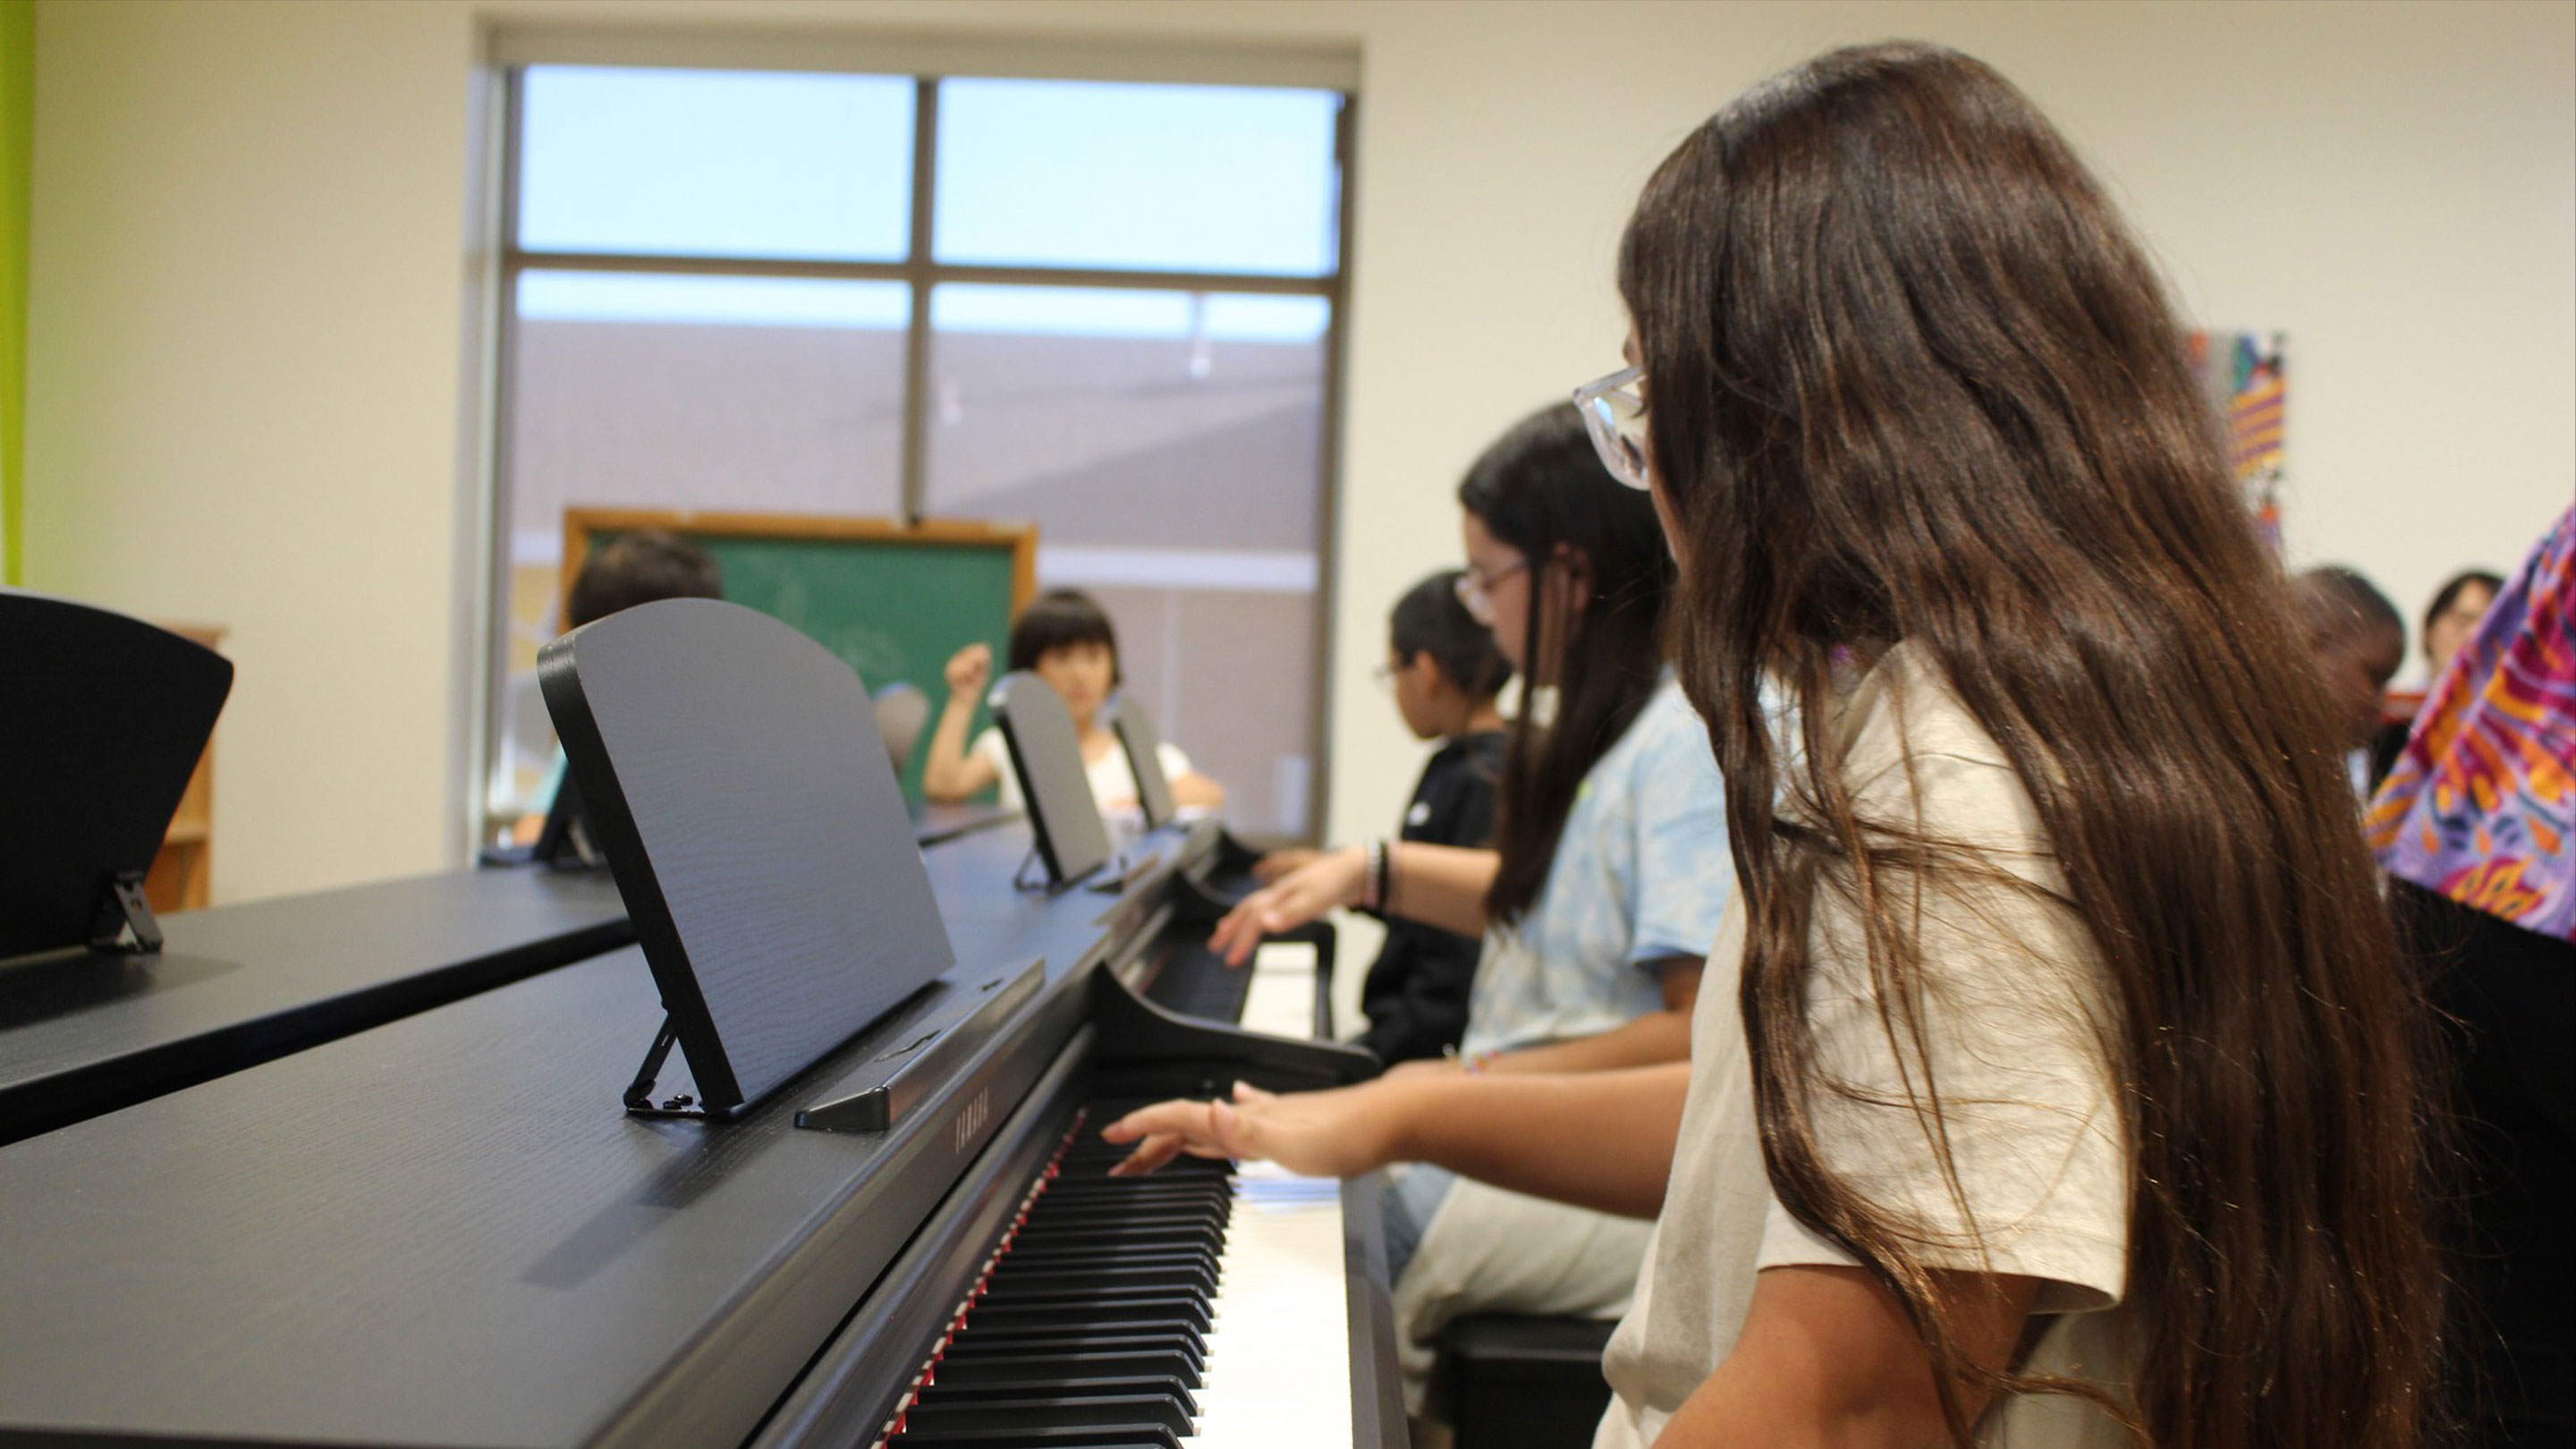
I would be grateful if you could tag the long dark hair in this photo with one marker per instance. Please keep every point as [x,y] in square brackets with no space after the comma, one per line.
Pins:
[1909,380]
[1541,489]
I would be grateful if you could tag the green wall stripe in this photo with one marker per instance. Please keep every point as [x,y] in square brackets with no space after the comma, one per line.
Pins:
[17,157]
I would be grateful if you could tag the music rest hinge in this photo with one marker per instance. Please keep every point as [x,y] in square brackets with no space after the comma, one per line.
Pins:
[123,913]
[1109,879]
[639,1093]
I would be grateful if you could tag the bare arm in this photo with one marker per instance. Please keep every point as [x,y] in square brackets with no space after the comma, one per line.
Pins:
[1602,1140]
[1198,792]
[1657,1036]
[1828,1358]
[1441,885]
[948,772]
[1280,863]
[1438,885]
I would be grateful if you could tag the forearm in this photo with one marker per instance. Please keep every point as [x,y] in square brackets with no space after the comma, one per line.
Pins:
[1601,1140]
[1828,1358]
[947,772]
[1198,792]
[1658,1036]
[1440,885]
[1741,1407]
[1787,1391]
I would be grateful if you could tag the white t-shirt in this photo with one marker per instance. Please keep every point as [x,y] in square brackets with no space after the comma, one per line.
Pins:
[2016,1005]
[1113,783]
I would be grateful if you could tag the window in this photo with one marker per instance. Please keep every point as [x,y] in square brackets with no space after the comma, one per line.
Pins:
[1108,308]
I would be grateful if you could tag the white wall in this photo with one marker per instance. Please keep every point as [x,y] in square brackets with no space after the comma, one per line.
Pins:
[242,394]
[247,281]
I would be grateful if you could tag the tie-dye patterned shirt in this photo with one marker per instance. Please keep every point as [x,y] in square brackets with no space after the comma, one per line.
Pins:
[2481,807]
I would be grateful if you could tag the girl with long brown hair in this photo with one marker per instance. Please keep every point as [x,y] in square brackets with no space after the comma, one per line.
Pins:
[2067,1088]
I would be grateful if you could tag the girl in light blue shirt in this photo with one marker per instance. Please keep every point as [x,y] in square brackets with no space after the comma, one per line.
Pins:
[1601,897]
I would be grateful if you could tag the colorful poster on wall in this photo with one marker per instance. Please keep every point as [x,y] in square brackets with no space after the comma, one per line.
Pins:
[2246,376]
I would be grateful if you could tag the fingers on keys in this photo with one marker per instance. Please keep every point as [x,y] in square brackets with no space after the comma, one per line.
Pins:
[1168,1129]
[1236,935]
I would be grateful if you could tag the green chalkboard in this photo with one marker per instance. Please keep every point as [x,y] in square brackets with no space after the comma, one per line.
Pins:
[892,600]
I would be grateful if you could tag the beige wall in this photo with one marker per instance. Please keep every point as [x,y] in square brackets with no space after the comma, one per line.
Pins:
[248,284]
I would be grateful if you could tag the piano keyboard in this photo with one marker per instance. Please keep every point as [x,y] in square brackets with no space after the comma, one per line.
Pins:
[1281,998]
[1195,981]
[1194,1307]
[1275,993]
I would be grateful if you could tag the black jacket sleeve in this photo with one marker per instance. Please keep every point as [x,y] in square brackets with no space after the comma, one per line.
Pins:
[1416,993]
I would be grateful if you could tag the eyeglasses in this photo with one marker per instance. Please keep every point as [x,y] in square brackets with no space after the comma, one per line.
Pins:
[1614,413]
[1476,589]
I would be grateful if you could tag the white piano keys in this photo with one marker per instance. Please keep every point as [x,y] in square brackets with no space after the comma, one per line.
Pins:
[1281,998]
[1278,1361]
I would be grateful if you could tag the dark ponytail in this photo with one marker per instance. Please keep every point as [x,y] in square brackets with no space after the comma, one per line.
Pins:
[1541,489]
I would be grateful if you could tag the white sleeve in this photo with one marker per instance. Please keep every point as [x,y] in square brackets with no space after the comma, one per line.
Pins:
[1175,764]
[993,747]
[2011,1038]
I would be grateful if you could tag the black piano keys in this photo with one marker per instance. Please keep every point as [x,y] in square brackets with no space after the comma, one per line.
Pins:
[1088,1327]
[1195,981]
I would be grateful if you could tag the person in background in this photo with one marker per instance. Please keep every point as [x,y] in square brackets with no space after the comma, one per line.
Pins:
[2476,827]
[2360,640]
[2448,622]
[641,567]
[1446,674]
[2451,620]
[2057,1082]
[1063,637]
[1599,899]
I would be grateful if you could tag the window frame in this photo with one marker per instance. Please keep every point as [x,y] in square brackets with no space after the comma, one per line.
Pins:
[920,272]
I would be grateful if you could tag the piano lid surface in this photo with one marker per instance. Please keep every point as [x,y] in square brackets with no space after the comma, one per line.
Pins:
[445,1231]
[238,984]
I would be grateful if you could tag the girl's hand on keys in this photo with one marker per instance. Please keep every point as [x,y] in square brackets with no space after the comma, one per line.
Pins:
[1338,1133]
[1335,878]
[1279,863]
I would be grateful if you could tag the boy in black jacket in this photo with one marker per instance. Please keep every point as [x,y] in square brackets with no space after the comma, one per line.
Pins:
[1445,672]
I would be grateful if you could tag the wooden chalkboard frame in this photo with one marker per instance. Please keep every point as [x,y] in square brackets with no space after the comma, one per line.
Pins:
[1020,539]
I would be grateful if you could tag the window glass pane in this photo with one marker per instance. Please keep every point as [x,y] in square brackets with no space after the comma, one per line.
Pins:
[1169,448]
[716,163]
[740,394]
[1136,177]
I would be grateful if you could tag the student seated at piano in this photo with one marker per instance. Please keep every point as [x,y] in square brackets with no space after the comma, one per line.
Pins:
[1446,674]
[642,567]
[2057,1081]
[1602,892]
[1064,638]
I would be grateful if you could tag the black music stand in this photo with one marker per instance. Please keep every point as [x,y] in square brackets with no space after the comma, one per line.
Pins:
[1144,748]
[564,843]
[102,721]
[1232,879]
[734,776]
[1046,755]
[1206,900]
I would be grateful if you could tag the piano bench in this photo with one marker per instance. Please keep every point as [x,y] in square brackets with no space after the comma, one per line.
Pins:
[1505,1381]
